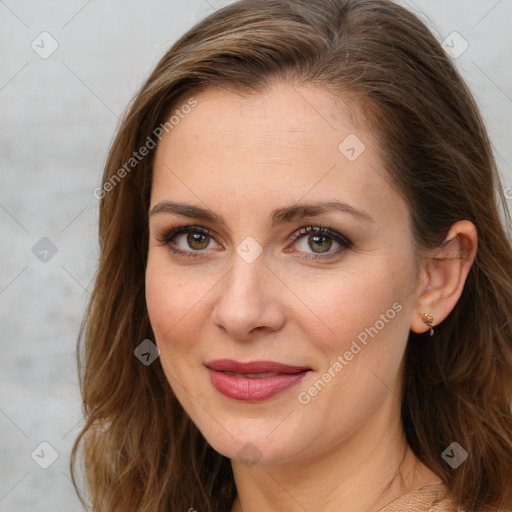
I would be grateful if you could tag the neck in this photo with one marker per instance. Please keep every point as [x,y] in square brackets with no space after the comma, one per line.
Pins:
[363,472]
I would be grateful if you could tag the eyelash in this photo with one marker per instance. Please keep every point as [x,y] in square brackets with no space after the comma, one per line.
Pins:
[172,232]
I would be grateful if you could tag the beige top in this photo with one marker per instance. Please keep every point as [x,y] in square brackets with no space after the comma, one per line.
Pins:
[429,498]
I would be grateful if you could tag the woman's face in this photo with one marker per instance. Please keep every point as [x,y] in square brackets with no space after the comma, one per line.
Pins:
[255,282]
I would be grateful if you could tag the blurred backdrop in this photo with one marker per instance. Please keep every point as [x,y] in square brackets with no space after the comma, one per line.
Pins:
[68,70]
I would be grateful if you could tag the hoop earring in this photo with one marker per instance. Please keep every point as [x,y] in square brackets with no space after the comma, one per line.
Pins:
[428,319]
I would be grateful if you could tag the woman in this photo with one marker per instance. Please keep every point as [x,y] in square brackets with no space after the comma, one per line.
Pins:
[304,288]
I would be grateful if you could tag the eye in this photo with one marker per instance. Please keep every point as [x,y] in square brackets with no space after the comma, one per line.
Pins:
[190,241]
[187,241]
[320,240]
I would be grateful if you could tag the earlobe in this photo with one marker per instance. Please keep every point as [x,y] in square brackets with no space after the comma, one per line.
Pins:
[444,275]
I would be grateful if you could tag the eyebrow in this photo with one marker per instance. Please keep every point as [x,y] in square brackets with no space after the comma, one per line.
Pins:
[278,216]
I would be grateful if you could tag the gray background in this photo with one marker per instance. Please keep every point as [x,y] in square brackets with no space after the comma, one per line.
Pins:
[58,116]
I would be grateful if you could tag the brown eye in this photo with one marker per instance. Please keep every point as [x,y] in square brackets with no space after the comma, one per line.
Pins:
[188,241]
[321,242]
[198,241]
[315,241]
[317,244]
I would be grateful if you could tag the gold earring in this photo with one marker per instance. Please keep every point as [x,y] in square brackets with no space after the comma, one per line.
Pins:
[428,319]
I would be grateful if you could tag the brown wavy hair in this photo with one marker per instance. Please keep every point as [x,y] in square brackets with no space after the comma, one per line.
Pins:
[139,450]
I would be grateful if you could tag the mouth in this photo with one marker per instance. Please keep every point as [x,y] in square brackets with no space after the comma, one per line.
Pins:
[252,375]
[253,381]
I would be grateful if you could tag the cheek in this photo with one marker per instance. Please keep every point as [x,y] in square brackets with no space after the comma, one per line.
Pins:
[349,305]
[169,299]
[179,308]
[368,315]
[174,306]
[160,302]
[363,336]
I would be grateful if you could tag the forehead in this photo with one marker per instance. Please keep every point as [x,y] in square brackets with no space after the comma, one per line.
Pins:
[252,121]
[287,140]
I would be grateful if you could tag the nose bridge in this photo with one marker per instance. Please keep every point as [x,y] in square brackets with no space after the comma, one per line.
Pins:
[243,285]
[248,268]
[245,300]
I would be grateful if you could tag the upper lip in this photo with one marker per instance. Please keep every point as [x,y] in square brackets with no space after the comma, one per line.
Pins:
[230,365]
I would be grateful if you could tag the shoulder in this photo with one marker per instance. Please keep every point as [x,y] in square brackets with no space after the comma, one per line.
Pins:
[429,498]
[447,504]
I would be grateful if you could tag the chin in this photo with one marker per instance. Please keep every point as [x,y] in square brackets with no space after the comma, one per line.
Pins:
[257,442]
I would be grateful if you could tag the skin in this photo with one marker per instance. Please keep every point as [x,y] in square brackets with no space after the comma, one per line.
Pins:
[241,157]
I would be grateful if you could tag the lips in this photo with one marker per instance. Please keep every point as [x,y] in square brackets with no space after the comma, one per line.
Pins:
[255,380]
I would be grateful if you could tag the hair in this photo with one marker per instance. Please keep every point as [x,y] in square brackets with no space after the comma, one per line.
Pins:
[138,448]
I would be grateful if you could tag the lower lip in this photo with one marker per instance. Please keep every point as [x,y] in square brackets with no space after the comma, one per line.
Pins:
[253,390]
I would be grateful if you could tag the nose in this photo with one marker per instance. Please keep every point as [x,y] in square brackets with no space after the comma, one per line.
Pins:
[248,301]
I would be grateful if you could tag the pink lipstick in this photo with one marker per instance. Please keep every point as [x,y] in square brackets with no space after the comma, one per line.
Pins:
[253,381]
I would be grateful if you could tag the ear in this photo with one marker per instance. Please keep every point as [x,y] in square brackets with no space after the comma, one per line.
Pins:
[442,275]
